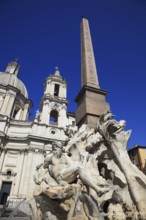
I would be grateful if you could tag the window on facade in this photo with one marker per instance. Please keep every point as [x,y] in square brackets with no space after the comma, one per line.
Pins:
[15,113]
[5,192]
[9,173]
[16,110]
[56,90]
[53,116]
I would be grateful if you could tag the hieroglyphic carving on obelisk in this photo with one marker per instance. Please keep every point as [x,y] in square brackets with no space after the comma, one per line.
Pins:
[89,71]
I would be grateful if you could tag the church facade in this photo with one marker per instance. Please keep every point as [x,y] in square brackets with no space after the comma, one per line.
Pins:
[25,143]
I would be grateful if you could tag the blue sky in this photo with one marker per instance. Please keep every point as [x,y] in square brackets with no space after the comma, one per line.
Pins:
[46,33]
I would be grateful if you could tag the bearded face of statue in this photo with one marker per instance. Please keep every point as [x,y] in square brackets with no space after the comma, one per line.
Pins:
[58,152]
[57,149]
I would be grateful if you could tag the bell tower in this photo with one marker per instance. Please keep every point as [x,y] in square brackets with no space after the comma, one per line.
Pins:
[91,99]
[54,102]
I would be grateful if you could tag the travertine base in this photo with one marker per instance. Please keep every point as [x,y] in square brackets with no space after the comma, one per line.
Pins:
[91,104]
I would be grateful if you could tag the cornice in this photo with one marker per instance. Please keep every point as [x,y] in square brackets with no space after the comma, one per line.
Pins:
[5,173]
[90,89]
[12,121]
[22,150]
[20,122]
[57,79]
[54,98]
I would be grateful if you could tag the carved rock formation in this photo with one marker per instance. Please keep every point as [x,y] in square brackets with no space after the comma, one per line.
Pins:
[91,177]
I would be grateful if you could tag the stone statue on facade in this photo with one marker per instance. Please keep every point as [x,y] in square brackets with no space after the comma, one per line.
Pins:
[91,177]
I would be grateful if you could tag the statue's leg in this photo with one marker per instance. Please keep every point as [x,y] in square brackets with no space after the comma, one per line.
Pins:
[69,174]
[89,181]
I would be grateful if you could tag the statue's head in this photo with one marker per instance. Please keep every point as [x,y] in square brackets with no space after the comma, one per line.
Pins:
[57,148]
[113,130]
[57,144]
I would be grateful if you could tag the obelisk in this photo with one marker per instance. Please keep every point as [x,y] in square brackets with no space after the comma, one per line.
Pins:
[91,99]
[88,66]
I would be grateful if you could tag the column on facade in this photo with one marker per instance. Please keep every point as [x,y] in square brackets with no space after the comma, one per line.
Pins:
[49,88]
[62,92]
[1,100]
[28,170]
[44,114]
[19,173]
[49,111]
[2,157]
[61,95]
[25,112]
[24,182]
[8,104]
[37,159]
[62,119]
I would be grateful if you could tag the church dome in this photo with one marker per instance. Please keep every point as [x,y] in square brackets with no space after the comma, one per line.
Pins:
[9,77]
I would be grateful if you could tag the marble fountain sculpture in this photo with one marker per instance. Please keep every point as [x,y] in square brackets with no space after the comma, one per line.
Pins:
[91,177]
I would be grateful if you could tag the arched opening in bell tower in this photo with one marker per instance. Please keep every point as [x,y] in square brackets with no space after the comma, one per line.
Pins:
[53,117]
[56,90]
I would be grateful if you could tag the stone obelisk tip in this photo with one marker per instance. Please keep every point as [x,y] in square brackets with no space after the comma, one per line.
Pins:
[89,71]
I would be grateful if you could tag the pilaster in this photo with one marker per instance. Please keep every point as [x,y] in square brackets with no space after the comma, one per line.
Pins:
[8,104]
[45,112]
[2,157]
[25,112]
[19,173]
